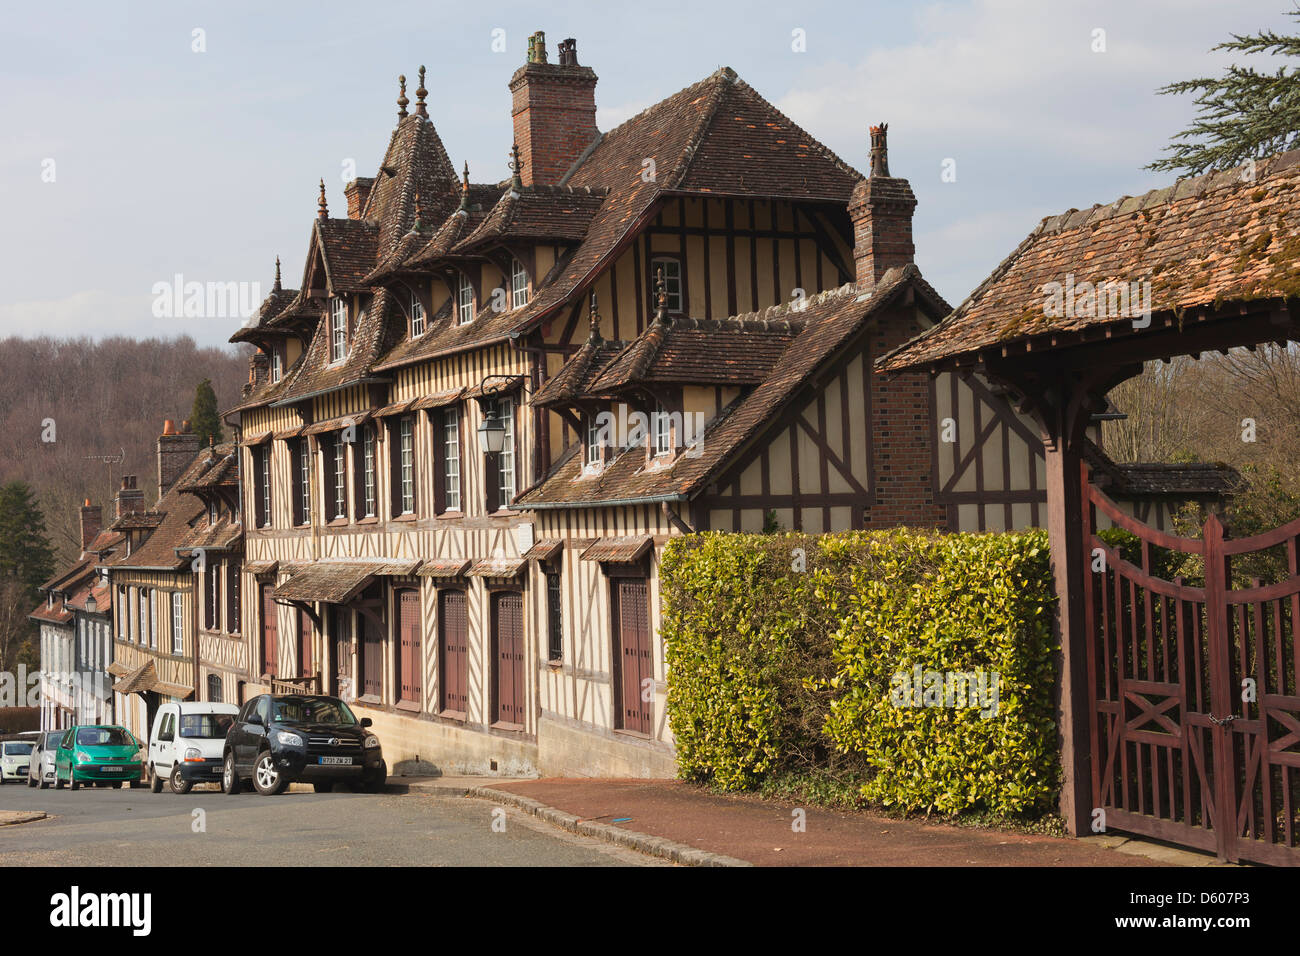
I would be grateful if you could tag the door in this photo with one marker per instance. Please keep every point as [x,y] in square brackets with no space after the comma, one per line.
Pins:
[372,658]
[162,738]
[343,653]
[633,656]
[453,652]
[409,663]
[508,656]
[269,638]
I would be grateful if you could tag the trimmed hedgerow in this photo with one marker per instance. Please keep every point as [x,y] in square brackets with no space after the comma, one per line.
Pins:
[783,651]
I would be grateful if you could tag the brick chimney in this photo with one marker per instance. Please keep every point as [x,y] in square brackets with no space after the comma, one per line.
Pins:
[92,520]
[176,449]
[357,192]
[129,498]
[554,111]
[881,209]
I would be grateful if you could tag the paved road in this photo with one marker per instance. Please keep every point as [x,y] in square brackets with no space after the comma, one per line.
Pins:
[134,827]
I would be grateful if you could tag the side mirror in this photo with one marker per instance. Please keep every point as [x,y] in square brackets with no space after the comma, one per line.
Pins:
[366,721]
[256,718]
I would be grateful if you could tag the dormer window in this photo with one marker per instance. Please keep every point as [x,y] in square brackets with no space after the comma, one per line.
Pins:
[338,330]
[417,315]
[518,285]
[465,300]
[277,365]
[595,441]
[672,268]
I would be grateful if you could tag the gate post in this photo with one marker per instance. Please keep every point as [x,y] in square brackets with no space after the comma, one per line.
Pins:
[1222,696]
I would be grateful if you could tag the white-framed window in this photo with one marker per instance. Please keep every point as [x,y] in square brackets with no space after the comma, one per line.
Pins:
[368,465]
[277,364]
[594,441]
[266,485]
[464,300]
[338,329]
[417,315]
[151,622]
[506,472]
[663,431]
[407,437]
[672,268]
[340,479]
[518,284]
[451,458]
[178,623]
[304,479]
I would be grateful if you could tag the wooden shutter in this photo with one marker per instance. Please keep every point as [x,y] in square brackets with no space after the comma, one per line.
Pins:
[508,625]
[394,439]
[408,658]
[636,663]
[342,648]
[233,625]
[269,642]
[304,644]
[438,419]
[453,651]
[372,659]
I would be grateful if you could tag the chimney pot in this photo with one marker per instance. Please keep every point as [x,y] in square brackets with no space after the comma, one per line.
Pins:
[881,209]
[553,107]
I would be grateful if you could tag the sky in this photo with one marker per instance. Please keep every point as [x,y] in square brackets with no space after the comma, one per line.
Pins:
[148,141]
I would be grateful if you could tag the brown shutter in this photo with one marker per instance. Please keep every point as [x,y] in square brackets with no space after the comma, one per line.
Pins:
[372,648]
[438,419]
[408,616]
[394,467]
[269,641]
[508,620]
[342,648]
[233,625]
[636,662]
[304,644]
[453,651]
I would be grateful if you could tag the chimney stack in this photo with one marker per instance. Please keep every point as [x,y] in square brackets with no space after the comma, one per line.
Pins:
[357,192]
[554,111]
[92,521]
[129,499]
[881,208]
[176,449]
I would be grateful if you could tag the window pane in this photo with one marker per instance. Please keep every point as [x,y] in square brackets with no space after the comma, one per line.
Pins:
[369,455]
[451,446]
[408,467]
[506,485]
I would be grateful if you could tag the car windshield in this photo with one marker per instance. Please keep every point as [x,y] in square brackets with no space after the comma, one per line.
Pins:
[51,740]
[313,710]
[207,726]
[18,748]
[104,737]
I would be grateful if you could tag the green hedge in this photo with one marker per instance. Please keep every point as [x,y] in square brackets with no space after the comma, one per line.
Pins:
[781,667]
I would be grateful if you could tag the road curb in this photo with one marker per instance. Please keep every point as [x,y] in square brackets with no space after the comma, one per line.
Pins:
[10,818]
[437,789]
[642,842]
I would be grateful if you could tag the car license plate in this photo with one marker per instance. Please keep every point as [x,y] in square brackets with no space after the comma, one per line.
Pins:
[346,761]
[112,769]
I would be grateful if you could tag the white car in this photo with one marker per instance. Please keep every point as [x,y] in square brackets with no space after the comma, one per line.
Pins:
[40,773]
[15,756]
[186,743]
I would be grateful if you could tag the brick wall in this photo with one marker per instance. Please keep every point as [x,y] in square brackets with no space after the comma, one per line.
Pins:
[554,113]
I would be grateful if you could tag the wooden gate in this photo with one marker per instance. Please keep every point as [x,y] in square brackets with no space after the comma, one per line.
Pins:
[634,656]
[453,652]
[508,649]
[1194,708]
[409,660]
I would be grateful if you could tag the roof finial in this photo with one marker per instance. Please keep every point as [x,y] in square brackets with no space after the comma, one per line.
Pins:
[419,214]
[420,93]
[879,151]
[324,212]
[661,297]
[517,164]
[464,190]
[593,317]
[276,287]
[401,99]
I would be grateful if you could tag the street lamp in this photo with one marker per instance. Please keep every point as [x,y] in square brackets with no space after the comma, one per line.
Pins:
[491,430]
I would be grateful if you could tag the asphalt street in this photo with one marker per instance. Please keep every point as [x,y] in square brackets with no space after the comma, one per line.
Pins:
[104,827]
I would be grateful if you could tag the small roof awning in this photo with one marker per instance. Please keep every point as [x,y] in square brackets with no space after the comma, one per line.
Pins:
[335,424]
[497,567]
[544,550]
[255,439]
[337,582]
[118,669]
[496,387]
[618,550]
[172,690]
[261,567]
[287,433]
[138,681]
[444,567]
[438,399]
[395,409]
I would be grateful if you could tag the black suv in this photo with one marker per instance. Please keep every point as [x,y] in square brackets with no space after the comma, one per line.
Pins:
[278,740]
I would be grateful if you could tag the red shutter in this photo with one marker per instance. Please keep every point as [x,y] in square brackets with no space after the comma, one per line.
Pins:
[508,619]
[304,644]
[409,665]
[372,659]
[636,662]
[268,630]
[453,651]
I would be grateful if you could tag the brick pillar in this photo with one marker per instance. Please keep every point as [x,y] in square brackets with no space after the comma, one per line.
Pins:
[881,208]
[92,520]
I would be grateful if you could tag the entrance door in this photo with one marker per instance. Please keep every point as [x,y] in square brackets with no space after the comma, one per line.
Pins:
[342,652]
[372,658]
[633,654]
[409,664]
[269,640]
[508,655]
[453,652]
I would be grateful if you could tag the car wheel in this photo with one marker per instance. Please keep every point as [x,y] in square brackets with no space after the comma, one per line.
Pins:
[155,781]
[72,781]
[266,778]
[323,787]
[230,782]
[43,785]
[374,783]
[31,782]
[116,784]
[58,781]
[178,783]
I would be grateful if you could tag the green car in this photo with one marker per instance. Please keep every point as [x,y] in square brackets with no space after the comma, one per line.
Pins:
[97,753]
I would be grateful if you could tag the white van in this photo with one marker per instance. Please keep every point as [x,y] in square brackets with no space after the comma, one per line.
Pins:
[186,742]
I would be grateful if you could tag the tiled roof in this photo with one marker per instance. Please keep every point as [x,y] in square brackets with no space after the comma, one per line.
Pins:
[444,567]
[217,467]
[618,550]
[1146,479]
[830,320]
[137,521]
[1200,242]
[496,567]
[576,376]
[316,375]
[224,535]
[336,582]
[348,248]
[556,213]
[176,511]
[258,326]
